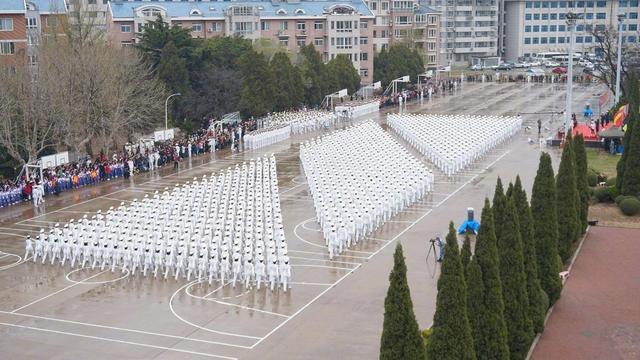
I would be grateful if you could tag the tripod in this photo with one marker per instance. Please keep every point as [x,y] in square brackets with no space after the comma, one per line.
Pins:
[432,248]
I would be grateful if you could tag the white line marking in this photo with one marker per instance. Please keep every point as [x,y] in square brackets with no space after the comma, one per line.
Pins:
[6,233]
[246,307]
[119,341]
[291,188]
[198,326]
[125,329]
[311,283]
[57,292]
[304,307]
[324,260]
[324,266]
[327,254]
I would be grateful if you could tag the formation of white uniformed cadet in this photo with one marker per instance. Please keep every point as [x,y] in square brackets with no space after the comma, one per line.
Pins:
[225,228]
[264,137]
[359,178]
[303,122]
[453,142]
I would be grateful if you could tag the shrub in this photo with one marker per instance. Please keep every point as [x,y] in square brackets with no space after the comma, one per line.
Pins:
[620,198]
[592,178]
[611,181]
[630,206]
[613,192]
[602,194]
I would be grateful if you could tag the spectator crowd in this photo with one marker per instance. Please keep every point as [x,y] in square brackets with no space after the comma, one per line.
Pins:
[133,159]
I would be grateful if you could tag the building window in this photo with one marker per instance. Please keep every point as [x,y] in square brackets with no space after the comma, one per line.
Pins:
[562,28]
[527,41]
[579,40]
[536,28]
[544,28]
[7,48]
[217,27]
[125,28]
[243,27]
[284,42]
[601,16]
[52,21]
[364,56]
[633,27]
[363,25]
[318,25]
[242,10]
[32,39]
[527,28]
[32,23]
[561,40]
[6,24]
[343,42]
[553,16]
[373,5]
[318,42]
[402,20]
[300,42]
[364,41]
[364,72]
[385,5]
[527,16]
[543,40]
[553,28]
[431,33]
[197,27]
[633,15]
[92,2]
[552,40]
[545,16]
[32,59]
[265,25]
[284,25]
[300,25]
[536,16]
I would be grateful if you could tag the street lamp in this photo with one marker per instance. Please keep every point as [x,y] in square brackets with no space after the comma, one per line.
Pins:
[166,112]
[621,18]
[571,24]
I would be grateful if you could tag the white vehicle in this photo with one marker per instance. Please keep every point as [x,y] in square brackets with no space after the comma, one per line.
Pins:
[535,63]
[522,65]
[476,67]
[551,64]
[585,63]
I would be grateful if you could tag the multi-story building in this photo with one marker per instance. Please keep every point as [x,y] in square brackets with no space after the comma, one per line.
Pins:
[468,30]
[332,26]
[22,25]
[406,21]
[534,27]
[91,13]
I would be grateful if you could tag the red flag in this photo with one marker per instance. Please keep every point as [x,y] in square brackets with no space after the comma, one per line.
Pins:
[620,115]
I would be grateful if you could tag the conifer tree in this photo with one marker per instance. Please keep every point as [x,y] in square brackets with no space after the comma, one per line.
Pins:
[401,337]
[499,204]
[545,225]
[514,285]
[581,181]
[475,304]
[493,333]
[566,200]
[465,254]
[451,338]
[631,178]
[538,301]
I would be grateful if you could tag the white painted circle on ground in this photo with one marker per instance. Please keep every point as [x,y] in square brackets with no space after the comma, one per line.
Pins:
[67,276]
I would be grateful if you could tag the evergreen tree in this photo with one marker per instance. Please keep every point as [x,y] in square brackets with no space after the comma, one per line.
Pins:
[581,181]
[514,285]
[314,75]
[545,225]
[157,34]
[566,200]
[287,83]
[631,177]
[465,254]
[401,337]
[344,74]
[172,70]
[493,333]
[538,301]
[499,205]
[631,97]
[257,89]
[475,305]
[451,338]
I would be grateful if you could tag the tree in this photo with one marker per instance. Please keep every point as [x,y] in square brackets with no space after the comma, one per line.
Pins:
[514,284]
[566,200]
[538,301]
[314,75]
[475,305]
[287,83]
[398,61]
[631,177]
[451,338]
[155,36]
[607,41]
[257,89]
[465,254]
[401,337]
[632,97]
[344,74]
[216,91]
[499,208]
[581,181]
[545,225]
[493,333]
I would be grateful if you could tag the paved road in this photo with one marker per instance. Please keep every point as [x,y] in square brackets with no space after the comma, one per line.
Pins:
[335,308]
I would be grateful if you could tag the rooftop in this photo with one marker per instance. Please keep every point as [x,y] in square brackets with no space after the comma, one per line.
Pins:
[302,8]
[11,5]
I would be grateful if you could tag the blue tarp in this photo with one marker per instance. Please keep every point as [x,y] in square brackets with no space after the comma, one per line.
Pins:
[470,225]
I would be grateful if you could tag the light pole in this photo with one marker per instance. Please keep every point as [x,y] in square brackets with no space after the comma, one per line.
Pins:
[571,24]
[621,18]
[166,112]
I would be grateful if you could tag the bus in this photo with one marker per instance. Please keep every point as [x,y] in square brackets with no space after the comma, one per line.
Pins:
[558,56]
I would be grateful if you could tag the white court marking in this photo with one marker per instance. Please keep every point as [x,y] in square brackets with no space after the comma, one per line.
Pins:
[94,282]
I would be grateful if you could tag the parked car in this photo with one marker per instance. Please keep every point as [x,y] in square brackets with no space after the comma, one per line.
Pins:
[536,63]
[476,67]
[505,66]
[551,64]
[559,70]
[522,65]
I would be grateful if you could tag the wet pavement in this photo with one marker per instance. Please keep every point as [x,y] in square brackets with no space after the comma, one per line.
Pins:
[335,308]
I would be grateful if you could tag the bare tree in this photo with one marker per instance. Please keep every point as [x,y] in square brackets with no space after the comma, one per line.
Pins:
[607,40]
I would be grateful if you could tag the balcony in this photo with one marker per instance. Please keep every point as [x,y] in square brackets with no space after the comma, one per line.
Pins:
[282,33]
[301,33]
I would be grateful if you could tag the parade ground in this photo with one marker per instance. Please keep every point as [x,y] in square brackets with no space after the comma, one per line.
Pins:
[597,315]
[334,309]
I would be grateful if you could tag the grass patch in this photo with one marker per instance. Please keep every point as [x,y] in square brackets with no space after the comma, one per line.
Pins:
[602,162]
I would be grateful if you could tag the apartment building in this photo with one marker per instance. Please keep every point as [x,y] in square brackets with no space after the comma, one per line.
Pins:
[533,27]
[332,26]
[406,21]
[91,13]
[22,25]
[468,30]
